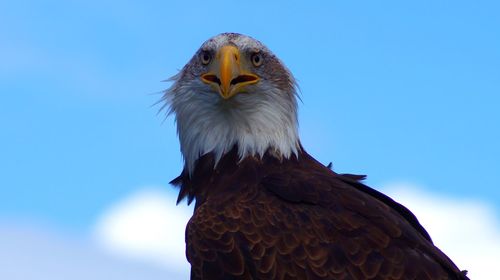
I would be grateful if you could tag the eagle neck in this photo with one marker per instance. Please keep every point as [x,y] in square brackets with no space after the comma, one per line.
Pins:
[211,177]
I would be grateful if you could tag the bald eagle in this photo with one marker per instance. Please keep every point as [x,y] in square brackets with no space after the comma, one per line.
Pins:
[266,209]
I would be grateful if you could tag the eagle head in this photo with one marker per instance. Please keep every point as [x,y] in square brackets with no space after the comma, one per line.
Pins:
[234,92]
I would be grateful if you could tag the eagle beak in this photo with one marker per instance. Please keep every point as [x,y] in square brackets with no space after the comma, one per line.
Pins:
[229,76]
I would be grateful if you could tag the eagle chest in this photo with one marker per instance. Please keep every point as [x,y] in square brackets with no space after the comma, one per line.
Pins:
[257,235]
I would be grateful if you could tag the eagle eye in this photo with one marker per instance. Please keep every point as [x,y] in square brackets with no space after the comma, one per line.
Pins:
[205,57]
[257,59]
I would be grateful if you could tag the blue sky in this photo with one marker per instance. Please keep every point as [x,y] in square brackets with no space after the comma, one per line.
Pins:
[396,90]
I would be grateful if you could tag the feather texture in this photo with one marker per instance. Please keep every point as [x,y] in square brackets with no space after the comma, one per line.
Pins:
[262,218]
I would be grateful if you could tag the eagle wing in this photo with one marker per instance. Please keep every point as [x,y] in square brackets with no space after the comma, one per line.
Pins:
[307,222]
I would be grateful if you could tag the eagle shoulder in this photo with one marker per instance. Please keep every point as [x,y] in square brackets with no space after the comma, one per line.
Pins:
[387,231]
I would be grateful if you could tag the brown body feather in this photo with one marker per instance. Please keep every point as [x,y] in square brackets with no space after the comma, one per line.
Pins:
[262,218]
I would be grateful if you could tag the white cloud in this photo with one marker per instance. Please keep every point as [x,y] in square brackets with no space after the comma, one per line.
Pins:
[34,252]
[139,237]
[148,226]
[465,229]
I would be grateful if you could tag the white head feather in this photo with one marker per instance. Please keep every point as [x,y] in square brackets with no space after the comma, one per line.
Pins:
[262,119]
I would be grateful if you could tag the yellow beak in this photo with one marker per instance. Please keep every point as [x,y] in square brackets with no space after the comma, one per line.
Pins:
[229,76]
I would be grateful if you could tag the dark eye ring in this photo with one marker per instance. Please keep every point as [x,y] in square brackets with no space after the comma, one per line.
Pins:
[257,59]
[205,57]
